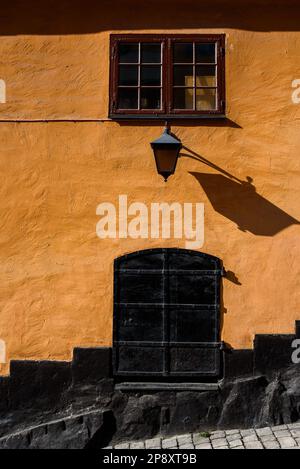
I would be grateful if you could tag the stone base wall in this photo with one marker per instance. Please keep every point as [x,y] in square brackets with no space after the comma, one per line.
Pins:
[76,405]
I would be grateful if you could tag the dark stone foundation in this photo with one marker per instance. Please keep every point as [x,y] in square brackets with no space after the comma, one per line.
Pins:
[77,405]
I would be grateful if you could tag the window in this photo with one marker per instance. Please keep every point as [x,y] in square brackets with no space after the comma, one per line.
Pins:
[167,76]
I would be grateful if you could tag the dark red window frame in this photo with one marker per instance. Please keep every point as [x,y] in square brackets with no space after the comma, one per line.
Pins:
[167,41]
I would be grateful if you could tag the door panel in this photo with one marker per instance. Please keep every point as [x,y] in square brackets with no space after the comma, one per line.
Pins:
[140,360]
[195,361]
[193,325]
[141,287]
[192,289]
[141,323]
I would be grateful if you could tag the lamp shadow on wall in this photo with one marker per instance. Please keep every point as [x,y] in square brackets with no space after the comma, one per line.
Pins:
[239,201]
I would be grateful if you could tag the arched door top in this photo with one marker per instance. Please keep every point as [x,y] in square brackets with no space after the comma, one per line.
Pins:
[183,258]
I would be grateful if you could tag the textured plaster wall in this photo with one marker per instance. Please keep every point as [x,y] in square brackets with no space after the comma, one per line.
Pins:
[56,276]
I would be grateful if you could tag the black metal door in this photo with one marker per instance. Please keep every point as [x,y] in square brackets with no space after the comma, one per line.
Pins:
[166,314]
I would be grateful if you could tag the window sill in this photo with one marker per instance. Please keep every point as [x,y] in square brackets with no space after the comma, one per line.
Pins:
[166,117]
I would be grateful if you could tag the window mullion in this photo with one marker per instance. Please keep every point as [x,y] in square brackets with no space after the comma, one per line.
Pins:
[164,77]
[168,65]
[139,77]
[194,72]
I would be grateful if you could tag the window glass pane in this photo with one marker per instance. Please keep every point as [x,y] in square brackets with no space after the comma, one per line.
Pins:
[205,53]
[183,75]
[128,75]
[205,76]
[151,53]
[128,98]
[150,98]
[183,53]
[183,98]
[150,75]
[129,53]
[205,99]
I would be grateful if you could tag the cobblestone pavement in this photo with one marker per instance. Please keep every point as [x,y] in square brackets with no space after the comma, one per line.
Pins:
[280,437]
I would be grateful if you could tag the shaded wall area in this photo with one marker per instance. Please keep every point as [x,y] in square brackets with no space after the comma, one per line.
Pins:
[92,16]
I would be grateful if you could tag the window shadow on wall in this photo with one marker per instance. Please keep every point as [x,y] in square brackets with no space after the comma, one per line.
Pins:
[91,16]
[191,122]
[239,201]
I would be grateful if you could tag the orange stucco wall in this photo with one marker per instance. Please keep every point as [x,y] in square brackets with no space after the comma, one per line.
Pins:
[56,275]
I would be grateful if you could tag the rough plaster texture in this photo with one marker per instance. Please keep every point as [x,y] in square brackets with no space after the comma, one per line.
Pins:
[56,276]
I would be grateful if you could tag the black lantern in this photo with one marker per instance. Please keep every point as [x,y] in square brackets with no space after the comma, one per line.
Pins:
[166,151]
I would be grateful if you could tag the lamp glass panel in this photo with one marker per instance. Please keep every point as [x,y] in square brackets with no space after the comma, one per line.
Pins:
[166,159]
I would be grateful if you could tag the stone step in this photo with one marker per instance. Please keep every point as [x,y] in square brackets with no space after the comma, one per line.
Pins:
[140,386]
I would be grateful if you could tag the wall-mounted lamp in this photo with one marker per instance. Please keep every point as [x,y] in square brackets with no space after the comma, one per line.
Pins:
[166,152]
